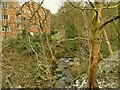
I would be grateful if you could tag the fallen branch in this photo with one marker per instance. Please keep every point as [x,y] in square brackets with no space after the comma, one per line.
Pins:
[5,46]
[73,39]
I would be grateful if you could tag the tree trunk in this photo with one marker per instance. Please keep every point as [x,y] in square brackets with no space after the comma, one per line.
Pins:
[107,41]
[94,47]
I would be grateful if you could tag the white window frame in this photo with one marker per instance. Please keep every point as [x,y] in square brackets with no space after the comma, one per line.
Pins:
[8,29]
[3,17]
[4,4]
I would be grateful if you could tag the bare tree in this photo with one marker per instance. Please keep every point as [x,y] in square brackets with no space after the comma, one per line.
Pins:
[34,15]
[96,38]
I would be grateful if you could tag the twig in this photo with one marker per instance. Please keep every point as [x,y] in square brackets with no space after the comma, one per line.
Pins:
[73,39]
[32,46]
[5,66]
[5,46]
[5,58]
[39,66]
[101,56]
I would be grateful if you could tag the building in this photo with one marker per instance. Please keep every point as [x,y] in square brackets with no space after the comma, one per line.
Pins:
[33,18]
[30,17]
[8,18]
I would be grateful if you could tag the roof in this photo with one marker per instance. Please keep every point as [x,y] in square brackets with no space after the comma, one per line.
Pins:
[9,0]
[32,1]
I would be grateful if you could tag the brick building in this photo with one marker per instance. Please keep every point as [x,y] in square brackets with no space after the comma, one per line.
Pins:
[33,18]
[8,18]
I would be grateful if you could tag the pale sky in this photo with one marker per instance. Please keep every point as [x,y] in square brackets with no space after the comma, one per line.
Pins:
[52,5]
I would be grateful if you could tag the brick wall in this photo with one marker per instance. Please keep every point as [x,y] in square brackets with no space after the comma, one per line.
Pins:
[8,19]
[31,16]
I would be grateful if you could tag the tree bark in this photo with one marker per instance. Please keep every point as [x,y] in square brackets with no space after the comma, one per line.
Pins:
[96,38]
[95,46]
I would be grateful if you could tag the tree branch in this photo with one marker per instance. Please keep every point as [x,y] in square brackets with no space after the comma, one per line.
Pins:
[108,7]
[75,6]
[91,4]
[109,21]
[82,38]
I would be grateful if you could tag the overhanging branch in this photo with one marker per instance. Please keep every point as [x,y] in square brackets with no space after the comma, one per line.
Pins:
[108,7]
[109,21]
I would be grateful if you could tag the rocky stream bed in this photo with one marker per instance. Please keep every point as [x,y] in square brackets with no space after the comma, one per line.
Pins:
[74,72]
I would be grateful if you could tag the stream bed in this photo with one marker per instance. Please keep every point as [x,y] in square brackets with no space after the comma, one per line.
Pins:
[74,73]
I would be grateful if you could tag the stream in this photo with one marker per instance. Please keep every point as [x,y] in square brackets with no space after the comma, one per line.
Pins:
[67,78]
[70,67]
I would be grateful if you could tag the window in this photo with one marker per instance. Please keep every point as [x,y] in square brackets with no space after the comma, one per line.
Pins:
[4,5]
[23,19]
[18,21]
[4,17]
[29,12]
[5,29]
[19,12]
[0,4]
[19,28]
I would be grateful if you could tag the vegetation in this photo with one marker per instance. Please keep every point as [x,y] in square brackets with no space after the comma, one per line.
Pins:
[68,57]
